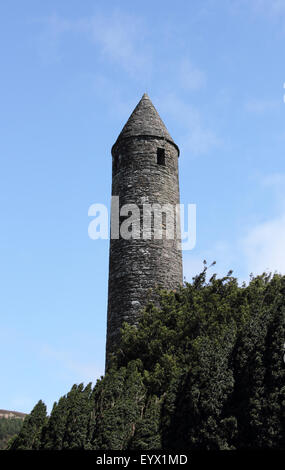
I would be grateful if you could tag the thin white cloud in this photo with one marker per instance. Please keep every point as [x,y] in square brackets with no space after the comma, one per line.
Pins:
[48,42]
[269,9]
[275,182]
[197,138]
[189,76]
[200,140]
[222,253]
[260,249]
[264,246]
[120,38]
[84,372]
[261,106]
[115,102]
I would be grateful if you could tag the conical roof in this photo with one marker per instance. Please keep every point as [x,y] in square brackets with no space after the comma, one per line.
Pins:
[145,121]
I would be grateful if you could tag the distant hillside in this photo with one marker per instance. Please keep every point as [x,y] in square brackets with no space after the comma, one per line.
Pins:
[12,414]
[11,423]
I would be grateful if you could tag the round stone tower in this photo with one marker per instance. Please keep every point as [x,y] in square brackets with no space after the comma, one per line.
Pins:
[145,174]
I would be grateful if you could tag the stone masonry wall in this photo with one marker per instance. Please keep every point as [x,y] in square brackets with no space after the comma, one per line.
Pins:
[136,266]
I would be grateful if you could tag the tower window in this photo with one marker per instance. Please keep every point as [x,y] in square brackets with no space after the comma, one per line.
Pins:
[161,156]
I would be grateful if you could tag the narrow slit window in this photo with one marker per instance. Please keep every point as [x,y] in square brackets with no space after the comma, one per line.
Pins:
[163,220]
[161,156]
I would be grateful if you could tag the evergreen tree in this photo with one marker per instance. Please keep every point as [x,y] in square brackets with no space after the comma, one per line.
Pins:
[78,413]
[30,435]
[147,435]
[203,369]
[9,428]
[118,405]
[53,432]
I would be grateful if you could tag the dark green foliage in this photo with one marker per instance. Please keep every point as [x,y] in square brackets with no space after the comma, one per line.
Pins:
[259,367]
[119,402]
[147,431]
[205,370]
[53,432]
[68,422]
[78,412]
[30,435]
[9,427]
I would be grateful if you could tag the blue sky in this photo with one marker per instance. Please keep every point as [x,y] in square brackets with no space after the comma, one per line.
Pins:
[71,74]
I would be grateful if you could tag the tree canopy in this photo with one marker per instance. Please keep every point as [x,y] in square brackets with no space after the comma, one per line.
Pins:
[204,369]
